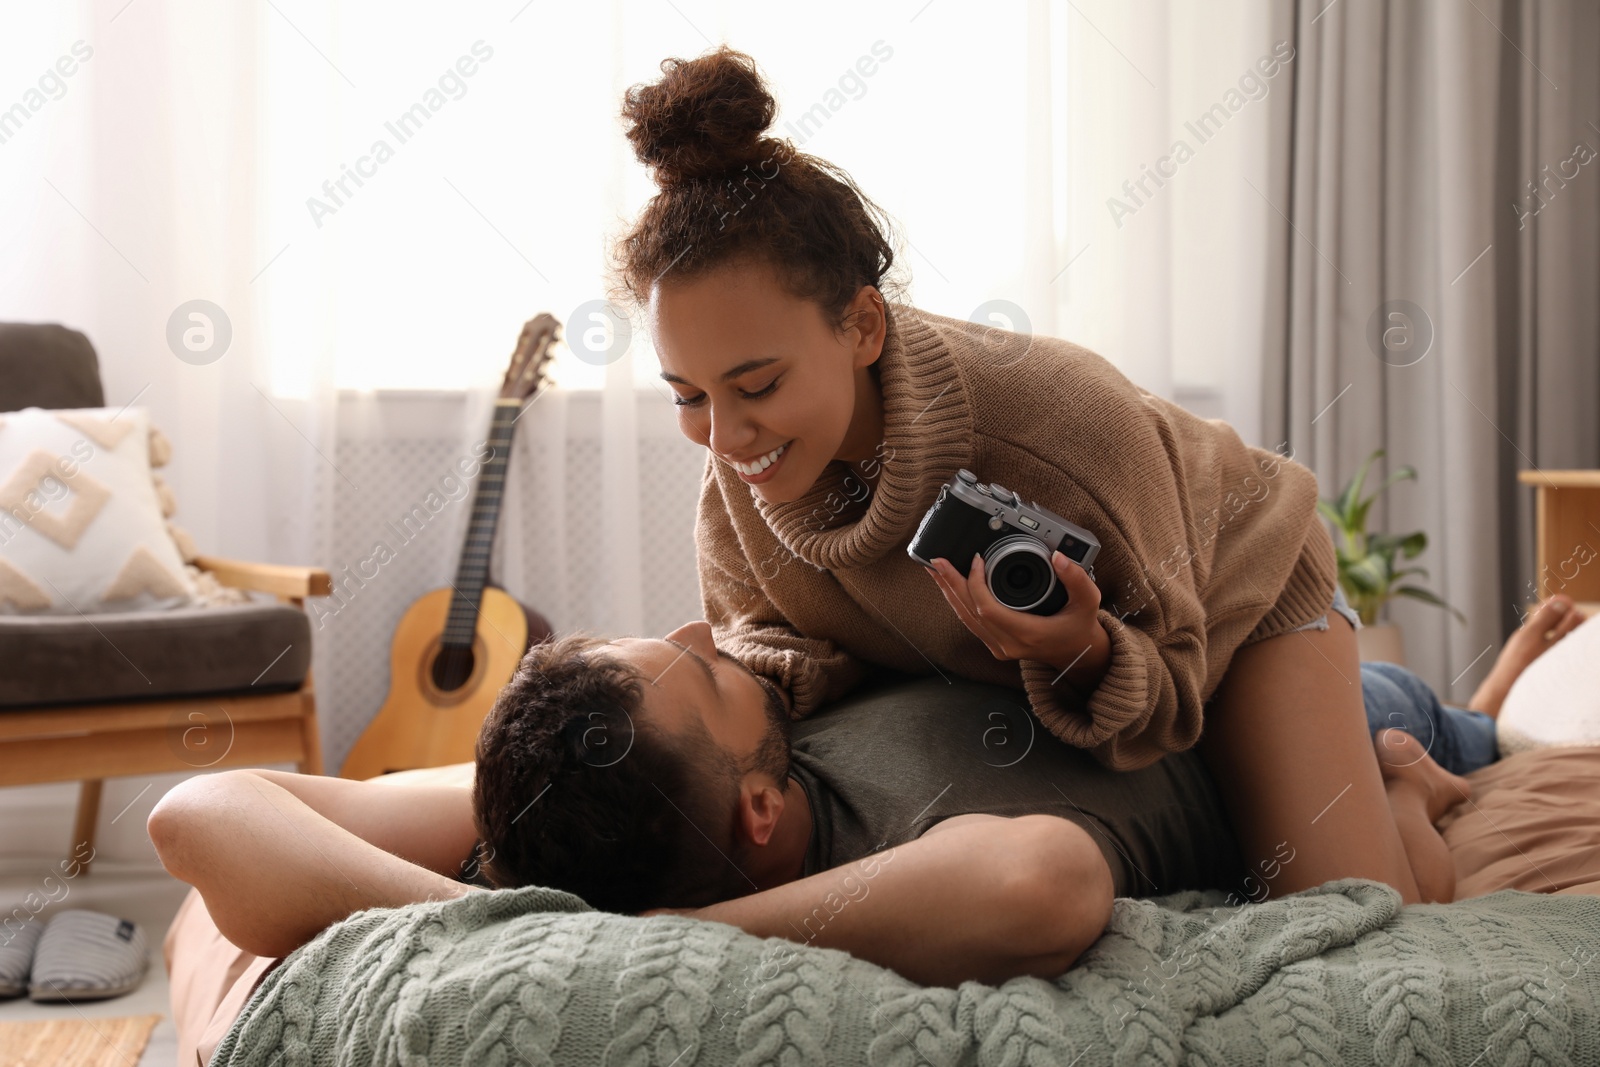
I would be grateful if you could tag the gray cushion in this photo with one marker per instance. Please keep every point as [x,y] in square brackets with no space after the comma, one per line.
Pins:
[43,365]
[58,659]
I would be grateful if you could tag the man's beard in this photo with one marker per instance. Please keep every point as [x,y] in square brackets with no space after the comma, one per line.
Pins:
[772,755]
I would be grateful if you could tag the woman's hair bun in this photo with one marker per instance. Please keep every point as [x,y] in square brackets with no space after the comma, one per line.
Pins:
[703,119]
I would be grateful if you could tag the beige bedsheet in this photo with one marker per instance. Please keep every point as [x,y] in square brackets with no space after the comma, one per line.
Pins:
[1533,823]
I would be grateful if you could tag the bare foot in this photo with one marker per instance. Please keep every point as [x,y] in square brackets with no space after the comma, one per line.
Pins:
[1543,627]
[1404,760]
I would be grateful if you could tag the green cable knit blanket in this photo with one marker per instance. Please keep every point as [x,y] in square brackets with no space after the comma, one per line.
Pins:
[1335,975]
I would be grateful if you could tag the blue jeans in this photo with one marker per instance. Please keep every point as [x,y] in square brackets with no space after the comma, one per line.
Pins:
[1459,740]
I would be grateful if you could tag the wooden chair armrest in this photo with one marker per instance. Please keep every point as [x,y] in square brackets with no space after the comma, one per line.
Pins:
[276,578]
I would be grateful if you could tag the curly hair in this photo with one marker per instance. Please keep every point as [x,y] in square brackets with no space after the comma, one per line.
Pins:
[576,790]
[727,191]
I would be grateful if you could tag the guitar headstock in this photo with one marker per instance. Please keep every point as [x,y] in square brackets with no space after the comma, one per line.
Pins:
[530,363]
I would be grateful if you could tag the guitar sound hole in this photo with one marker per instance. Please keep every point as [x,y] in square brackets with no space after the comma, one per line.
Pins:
[451,668]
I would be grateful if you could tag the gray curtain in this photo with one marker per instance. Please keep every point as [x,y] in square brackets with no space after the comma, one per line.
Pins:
[1429,174]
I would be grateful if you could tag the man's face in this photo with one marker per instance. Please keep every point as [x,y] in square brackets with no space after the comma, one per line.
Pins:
[687,679]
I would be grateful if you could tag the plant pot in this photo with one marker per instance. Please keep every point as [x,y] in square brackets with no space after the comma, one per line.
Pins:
[1381,641]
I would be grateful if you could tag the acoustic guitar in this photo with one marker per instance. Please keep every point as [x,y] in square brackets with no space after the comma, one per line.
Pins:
[455,648]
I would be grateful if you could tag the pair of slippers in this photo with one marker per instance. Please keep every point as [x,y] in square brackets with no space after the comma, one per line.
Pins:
[78,955]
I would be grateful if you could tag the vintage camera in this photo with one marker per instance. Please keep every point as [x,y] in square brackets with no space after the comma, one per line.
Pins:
[1015,540]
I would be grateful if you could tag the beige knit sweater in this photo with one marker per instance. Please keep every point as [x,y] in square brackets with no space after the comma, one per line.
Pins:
[1205,541]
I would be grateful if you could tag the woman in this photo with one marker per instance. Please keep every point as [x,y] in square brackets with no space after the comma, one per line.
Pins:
[833,416]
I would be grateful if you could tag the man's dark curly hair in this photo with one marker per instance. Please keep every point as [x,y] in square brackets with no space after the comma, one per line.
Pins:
[577,790]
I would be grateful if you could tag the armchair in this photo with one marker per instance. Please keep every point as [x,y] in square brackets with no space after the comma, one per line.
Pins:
[90,697]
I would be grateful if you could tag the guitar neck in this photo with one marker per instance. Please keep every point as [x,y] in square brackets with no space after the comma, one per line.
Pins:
[472,572]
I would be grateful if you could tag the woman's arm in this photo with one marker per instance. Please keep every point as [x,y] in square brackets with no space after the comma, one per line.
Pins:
[977,898]
[278,857]
[1139,496]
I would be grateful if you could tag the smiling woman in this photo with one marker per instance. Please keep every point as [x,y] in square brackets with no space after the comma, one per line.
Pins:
[774,321]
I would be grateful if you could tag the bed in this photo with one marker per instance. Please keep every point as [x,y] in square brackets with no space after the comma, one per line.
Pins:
[1533,827]
[1336,975]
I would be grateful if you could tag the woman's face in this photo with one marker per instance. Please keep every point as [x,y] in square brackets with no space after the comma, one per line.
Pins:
[763,379]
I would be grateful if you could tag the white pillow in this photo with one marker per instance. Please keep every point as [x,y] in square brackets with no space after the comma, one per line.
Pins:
[1555,702]
[81,528]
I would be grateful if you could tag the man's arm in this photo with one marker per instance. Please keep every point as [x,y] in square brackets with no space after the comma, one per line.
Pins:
[278,857]
[978,898]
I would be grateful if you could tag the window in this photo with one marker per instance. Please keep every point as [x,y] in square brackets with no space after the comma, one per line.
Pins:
[427,183]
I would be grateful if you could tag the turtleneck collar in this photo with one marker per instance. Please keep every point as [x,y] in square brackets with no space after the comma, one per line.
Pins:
[927,438]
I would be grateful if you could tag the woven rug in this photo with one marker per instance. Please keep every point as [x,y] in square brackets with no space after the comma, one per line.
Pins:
[77,1041]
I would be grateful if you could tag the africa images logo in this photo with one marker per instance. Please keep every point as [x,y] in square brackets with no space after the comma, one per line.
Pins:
[1253,85]
[402,128]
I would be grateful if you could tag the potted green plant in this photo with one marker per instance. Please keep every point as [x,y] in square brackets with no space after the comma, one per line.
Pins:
[1370,564]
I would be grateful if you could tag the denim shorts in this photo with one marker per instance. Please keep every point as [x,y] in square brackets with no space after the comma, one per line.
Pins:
[1458,739]
[1341,605]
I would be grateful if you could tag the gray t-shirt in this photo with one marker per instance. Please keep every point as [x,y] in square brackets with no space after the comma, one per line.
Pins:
[882,767]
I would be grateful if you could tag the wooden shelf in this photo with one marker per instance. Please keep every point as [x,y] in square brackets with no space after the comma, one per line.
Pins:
[1561,479]
[1566,533]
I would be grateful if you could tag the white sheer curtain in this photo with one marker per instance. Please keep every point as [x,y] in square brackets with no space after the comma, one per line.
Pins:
[377,199]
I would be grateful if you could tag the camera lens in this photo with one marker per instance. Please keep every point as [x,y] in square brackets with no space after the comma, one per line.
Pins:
[1019,573]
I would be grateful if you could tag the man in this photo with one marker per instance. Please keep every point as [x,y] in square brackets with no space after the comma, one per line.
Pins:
[941,889]
[952,891]
[642,774]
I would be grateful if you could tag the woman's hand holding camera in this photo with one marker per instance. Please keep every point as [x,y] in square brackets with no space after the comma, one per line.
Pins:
[1072,640]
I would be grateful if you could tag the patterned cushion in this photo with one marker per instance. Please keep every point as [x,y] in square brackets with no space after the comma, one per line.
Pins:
[1554,702]
[81,525]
